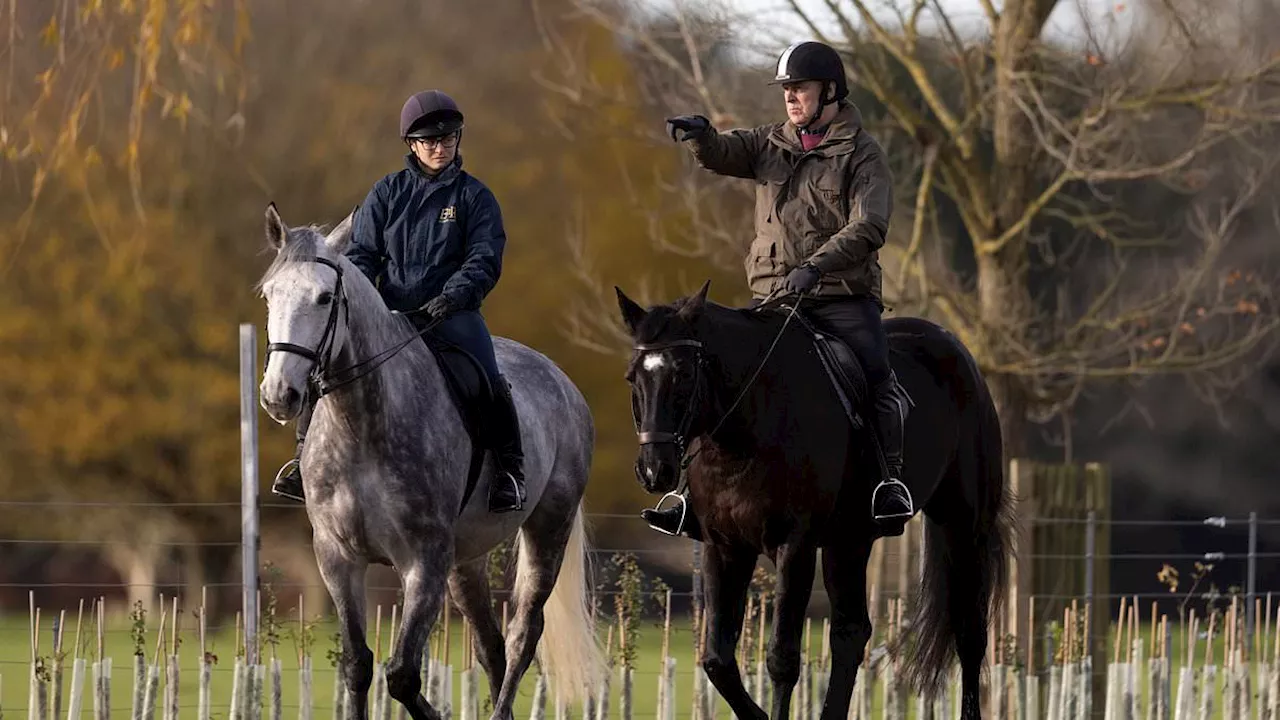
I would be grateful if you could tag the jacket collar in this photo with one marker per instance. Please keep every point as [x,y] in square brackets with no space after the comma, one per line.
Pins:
[839,139]
[445,176]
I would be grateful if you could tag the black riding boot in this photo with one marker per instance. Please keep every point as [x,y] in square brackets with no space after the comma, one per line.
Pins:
[508,491]
[891,502]
[676,520]
[288,482]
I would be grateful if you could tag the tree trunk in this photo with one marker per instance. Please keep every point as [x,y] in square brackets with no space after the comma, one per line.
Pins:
[137,566]
[1004,304]
[1004,299]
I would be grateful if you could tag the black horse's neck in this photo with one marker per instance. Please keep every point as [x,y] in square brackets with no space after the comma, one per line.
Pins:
[744,353]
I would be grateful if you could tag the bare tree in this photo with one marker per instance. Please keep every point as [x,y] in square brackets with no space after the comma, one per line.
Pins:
[1074,214]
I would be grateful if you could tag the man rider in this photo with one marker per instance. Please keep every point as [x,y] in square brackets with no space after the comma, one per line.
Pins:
[431,237]
[824,196]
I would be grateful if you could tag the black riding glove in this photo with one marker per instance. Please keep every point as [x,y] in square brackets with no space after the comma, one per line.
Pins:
[802,279]
[440,307]
[689,125]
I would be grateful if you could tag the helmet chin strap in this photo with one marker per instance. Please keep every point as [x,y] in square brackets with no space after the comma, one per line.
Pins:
[817,113]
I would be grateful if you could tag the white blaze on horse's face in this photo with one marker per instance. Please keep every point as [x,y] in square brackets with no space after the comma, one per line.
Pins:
[303,298]
[653,361]
[299,302]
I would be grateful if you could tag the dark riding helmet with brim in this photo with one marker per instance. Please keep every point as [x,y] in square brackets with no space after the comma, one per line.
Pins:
[429,114]
[812,60]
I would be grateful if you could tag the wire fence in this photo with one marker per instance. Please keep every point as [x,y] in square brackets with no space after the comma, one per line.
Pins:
[34,558]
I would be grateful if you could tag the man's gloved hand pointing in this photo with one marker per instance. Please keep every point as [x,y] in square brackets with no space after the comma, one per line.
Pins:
[689,125]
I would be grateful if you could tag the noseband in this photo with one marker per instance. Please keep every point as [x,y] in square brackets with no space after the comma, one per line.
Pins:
[320,376]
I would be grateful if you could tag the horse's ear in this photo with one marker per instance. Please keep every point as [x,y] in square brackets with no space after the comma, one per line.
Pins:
[632,313]
[277,231]
[693,306]
[340,236]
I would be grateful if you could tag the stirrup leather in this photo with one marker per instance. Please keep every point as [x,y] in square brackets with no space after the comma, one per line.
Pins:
[906,492]
[684,513]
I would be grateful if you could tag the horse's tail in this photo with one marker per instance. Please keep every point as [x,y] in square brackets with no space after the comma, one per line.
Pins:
[570,651]
[966,559]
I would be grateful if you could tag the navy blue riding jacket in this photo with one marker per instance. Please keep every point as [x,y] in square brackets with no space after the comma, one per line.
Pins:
[418,236]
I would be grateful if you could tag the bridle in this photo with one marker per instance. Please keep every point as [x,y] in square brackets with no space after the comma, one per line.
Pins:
[680,436]
[320,376]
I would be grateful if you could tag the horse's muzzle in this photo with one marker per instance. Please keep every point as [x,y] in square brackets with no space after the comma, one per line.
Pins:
[282,402]
[658,468]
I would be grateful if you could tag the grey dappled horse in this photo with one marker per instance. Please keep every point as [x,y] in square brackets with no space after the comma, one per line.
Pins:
[385,467]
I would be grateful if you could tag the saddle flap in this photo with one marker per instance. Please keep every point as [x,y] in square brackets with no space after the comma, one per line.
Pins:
[468,384]
[846,375]
[471,393]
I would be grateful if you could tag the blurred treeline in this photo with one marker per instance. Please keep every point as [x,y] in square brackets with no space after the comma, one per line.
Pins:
[142,142]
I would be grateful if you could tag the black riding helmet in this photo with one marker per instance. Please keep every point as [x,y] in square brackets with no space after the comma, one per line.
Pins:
[429,113]
[811,60]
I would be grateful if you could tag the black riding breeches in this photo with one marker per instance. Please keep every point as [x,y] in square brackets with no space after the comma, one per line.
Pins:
[467,330]
[856,321]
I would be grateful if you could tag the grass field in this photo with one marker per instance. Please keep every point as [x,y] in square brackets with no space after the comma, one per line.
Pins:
[15,656]
[15,664]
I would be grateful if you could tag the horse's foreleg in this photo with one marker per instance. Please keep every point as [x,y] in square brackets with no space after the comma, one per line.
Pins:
[423,594]
[844,572]
[344,580]
[796,565]
[727,578]
[469,586]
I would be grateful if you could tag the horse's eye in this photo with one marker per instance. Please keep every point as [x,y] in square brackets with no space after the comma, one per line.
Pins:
[325,298]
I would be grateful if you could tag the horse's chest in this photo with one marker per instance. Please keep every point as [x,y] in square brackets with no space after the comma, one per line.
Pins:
[758,506]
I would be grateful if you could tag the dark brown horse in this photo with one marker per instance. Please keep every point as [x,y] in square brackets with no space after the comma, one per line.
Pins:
[740,400]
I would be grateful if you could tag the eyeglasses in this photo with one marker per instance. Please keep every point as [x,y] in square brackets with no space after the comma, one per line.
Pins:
[447,141]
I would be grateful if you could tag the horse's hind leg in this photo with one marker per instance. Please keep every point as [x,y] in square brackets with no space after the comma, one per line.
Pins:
[844,572]
[344,580]
[796,565]
[728,576]
[469,586]
[541,550]
[424,583]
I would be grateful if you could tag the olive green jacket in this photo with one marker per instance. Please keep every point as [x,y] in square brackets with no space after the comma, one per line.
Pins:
[829,207]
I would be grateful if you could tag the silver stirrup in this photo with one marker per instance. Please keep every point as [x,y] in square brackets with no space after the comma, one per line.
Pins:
[905,490]
[684,512]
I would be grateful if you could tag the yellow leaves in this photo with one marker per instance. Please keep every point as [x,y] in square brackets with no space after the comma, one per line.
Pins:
[50,35]
[115,59]
[179,107]
[37,182]
[45,78]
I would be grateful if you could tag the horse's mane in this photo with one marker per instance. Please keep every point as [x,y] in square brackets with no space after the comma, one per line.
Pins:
[720,318]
